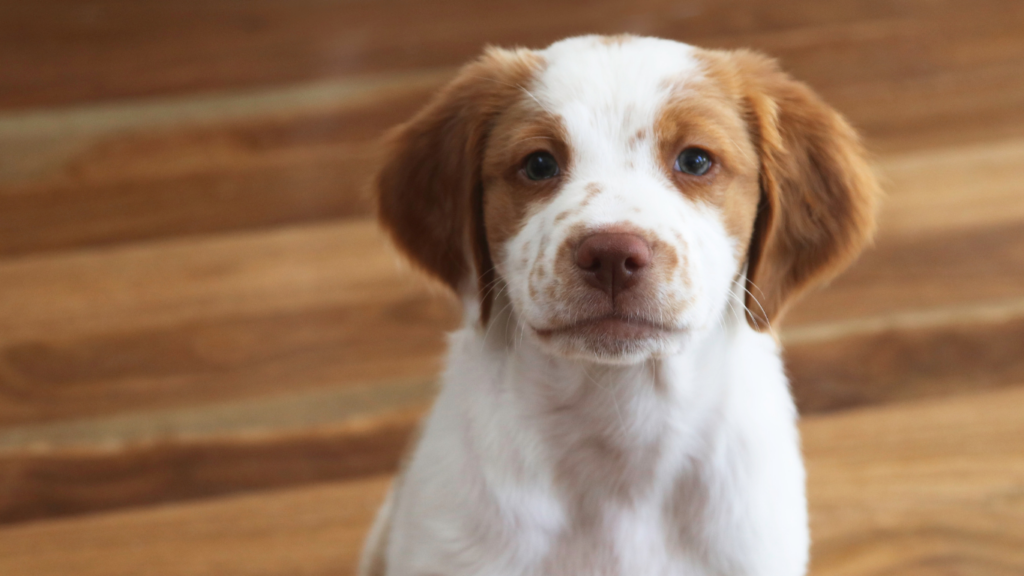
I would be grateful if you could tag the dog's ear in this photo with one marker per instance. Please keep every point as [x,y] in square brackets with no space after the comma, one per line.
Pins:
[818,193]
[429,190]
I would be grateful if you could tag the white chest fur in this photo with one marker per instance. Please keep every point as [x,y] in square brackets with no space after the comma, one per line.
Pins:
[532,465]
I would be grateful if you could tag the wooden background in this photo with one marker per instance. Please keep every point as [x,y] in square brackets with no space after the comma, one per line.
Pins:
[210,360]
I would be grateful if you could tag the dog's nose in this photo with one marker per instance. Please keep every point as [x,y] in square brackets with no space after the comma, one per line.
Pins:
[612,262]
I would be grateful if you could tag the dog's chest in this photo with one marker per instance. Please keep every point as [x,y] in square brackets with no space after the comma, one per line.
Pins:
[623,542]
[626,510]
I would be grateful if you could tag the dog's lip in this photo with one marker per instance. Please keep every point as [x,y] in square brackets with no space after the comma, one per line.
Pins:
[639,327]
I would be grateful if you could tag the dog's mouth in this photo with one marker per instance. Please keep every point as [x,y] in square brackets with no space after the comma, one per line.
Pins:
[612,326]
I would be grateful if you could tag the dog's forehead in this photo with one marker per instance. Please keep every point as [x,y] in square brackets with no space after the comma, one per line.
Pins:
[613,80]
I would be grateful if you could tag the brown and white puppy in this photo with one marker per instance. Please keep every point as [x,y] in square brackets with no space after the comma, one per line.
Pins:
[624,218]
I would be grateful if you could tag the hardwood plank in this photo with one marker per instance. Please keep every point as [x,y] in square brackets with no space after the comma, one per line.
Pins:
[133,171]
[46,483]
[905,363]
[165,284]
[287,413]
[900,489]
[218,360]
[313,188]
[919,273]
[312,531]
[930,487]
[928,191]
[57,53]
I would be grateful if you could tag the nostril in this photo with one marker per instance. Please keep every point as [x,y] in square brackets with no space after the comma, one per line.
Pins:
[631,265]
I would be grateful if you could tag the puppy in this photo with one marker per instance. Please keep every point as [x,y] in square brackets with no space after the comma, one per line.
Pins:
[625,220]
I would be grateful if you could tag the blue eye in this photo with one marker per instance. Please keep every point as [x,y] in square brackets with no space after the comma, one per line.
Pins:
[540,166]
[694,161]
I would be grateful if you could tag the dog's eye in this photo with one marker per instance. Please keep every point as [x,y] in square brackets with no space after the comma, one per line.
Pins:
[540,166]
[693,161]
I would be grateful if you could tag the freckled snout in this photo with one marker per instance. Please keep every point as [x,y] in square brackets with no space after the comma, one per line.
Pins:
[613,262]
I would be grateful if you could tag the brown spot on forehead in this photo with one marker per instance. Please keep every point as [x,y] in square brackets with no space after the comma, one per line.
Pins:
[638,138]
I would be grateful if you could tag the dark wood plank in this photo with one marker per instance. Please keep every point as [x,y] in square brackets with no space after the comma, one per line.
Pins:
[221,360]
[51,483]
[58,52]
[903,363]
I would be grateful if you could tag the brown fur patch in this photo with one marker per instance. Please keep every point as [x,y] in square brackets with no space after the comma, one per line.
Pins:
[637,139]
[430,188]
[509,196]
[707,118]
[818,194]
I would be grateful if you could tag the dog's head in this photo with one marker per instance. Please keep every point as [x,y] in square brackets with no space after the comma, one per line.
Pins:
[621,192]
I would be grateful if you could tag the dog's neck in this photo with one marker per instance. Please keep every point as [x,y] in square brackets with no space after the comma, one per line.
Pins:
[617,430]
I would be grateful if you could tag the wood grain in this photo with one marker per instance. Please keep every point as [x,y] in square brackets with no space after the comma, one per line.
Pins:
[311,531]
[209,320]
[922,273]
[926,488]
[932,487]
[86,53]
[282,152]
[214,361]
[904,364]
[875,368]
[193,301]
[98,175]
[158,285]
[68,482]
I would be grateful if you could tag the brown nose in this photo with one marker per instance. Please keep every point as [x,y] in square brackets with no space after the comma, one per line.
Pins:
[612,262]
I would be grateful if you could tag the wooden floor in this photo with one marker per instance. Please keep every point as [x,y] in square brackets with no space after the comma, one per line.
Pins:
[210,360]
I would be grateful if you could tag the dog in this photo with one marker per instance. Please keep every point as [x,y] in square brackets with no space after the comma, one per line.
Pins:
[625,220]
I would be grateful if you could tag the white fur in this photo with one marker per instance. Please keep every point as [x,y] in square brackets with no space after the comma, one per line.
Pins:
[679,458]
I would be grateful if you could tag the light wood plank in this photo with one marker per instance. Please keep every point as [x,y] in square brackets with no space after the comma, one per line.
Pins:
[919,488]
[170,283]
[939,190]
[311,531]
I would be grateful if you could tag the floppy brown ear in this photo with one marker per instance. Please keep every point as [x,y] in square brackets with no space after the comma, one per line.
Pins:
[429,190]
[818,193]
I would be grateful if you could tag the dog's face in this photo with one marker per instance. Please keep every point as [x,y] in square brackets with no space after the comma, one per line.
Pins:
[619,191]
